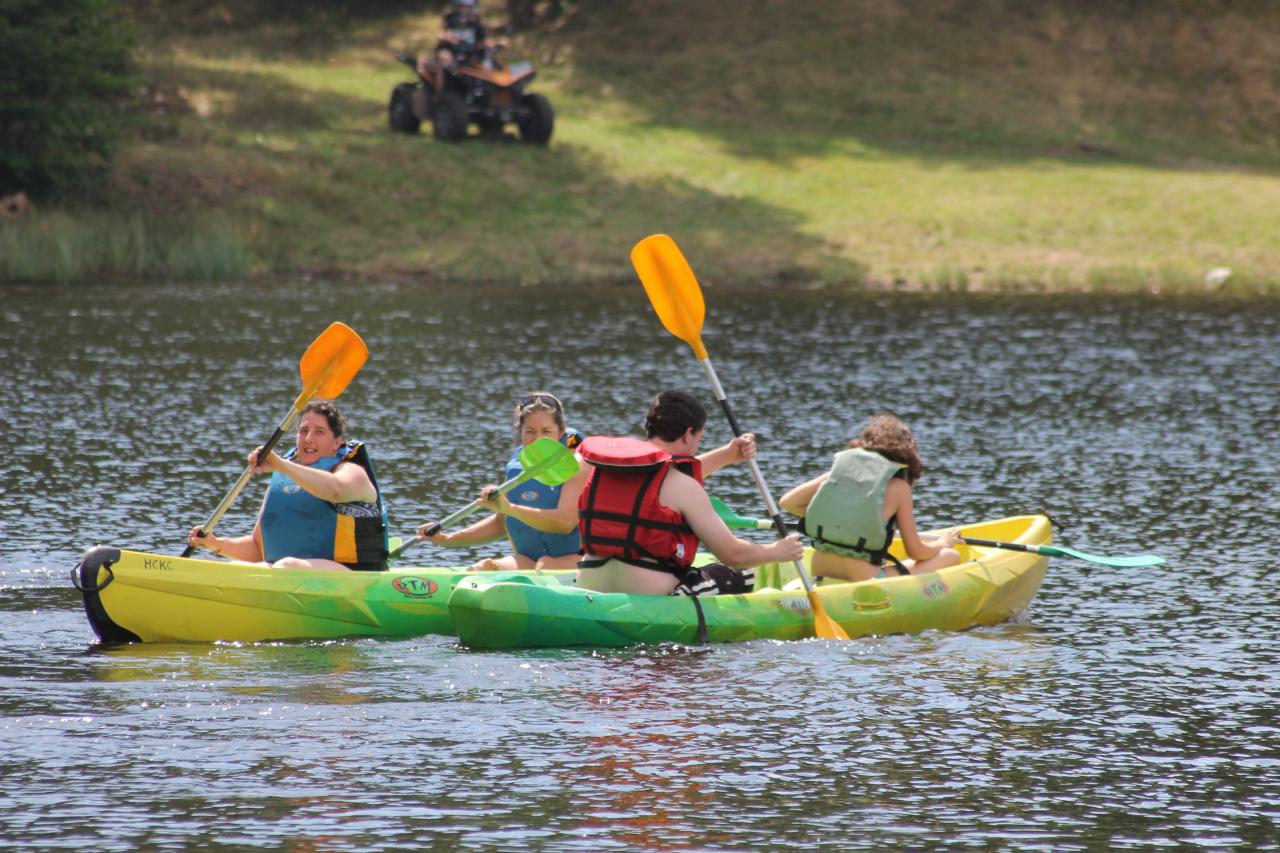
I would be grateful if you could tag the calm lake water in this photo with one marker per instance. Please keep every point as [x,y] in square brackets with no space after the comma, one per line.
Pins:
[1127,709]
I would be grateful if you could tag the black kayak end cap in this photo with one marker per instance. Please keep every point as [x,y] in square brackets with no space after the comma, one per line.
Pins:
[85,579]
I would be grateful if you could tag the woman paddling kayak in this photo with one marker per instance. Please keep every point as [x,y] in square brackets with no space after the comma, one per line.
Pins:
[851,511]
[538,415]
[322,510]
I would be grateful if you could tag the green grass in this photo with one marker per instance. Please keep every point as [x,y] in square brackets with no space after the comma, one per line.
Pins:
[860,143]
[95,245]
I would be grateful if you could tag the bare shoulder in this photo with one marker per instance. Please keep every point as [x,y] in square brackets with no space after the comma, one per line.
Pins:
[897,495]
[682,492]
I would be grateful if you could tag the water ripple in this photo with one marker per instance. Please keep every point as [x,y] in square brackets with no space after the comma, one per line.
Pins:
[1128,709]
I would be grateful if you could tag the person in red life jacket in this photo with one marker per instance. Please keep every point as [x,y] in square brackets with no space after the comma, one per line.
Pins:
[643,510]
[539,414]
[322,510]
[851,511]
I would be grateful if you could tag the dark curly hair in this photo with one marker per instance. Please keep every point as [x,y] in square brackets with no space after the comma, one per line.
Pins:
[328,408]
[890,437]
[672,413]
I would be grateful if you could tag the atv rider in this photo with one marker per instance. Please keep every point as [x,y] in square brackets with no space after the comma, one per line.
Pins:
[462,38]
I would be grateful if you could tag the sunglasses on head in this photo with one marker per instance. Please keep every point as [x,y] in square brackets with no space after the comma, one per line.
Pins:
[543,399]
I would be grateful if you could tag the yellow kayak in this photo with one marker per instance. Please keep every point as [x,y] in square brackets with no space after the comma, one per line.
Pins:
[132,596]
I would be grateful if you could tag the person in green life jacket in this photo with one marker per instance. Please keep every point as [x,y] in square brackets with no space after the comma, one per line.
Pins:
[323,508]
[851,511]
[538,414]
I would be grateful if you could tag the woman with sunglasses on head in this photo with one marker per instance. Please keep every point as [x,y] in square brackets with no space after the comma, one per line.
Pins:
[517,514]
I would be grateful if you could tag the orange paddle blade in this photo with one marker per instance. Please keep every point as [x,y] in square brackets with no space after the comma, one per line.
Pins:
[672,289]
[824,626]
[331,362]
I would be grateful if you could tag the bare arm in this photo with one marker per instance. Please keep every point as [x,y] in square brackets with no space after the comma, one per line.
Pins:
[740,449]
[563,518]
[485,530]
[247,548]
[347,483]
[898,500]
[682,493]
[798,499]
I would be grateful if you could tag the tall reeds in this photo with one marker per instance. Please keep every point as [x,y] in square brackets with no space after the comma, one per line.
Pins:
[67,247]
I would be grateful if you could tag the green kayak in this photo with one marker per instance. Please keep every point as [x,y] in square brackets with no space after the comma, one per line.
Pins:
[992,586]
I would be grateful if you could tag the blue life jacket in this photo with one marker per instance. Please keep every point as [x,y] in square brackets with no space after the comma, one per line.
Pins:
[527,540]
[295,523]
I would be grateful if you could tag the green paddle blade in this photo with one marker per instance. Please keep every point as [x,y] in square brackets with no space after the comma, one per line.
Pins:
[549,462]
[1136,561]
[1131,562]
[734,521]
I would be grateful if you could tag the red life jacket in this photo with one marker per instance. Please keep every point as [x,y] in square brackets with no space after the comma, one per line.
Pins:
[619,516]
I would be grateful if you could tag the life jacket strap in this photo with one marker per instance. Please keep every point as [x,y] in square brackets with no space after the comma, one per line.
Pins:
[875,557]
[897,564]
[597,515]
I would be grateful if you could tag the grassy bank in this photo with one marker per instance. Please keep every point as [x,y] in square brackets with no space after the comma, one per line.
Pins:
[63,247]
[837,142]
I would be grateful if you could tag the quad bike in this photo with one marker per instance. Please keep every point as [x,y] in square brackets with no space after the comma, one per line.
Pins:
[478,89]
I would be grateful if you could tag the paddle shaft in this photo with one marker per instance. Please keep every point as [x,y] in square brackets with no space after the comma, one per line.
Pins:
[1138,561]
[285,425]
[462,513]
[779,525]
[1008,546]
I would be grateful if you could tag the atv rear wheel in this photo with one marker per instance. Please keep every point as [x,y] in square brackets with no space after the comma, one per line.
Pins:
[449,118]
[400,111]
[537,125]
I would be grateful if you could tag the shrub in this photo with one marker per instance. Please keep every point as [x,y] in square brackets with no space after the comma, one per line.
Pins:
[63,93]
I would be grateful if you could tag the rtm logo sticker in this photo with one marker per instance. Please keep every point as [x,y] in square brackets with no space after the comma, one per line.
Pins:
[416,587]
[933,588]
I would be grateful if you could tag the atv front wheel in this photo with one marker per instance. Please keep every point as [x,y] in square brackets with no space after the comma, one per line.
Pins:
[537,125]
[449,118]
[400,111]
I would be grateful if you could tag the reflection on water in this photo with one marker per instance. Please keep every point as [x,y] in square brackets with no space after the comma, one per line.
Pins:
[1127,709]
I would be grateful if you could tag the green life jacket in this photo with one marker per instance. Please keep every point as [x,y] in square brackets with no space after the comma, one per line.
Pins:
[846,516]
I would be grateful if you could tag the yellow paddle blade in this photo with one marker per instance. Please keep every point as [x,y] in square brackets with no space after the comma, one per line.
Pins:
[672,289]
[824,626]
[331,362]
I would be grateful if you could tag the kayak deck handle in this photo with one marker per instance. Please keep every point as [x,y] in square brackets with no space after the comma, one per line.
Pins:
[84,577]
[80,583]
